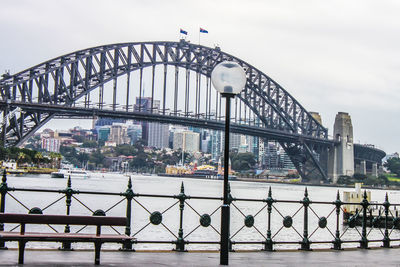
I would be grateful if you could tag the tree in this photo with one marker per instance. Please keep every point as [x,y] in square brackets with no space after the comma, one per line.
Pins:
[242,161]
[55,159]
[140,160]
[139,144]
[70,154]
[38,157]
[143,161]
[126,150]
[169,159]
[21,157]
[13,153]
[83,158]
[59,158]
[89,143]
[3,153]
[393,165]
[101,143]
[96,158]
[344,179]
[78,138]
[359,177]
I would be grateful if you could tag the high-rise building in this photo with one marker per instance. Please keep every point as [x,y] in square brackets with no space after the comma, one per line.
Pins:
[173,129]
[104,133]
[215,144]
[119,134]
[101,122]
[261,153]
[158,135]
[178,142]
[271,155]
[51,144]
[254,147]
[187,141]
[204,141]
[204,145]
[134,133]
[146,105]
[284,160]
[234,141]
[151,130]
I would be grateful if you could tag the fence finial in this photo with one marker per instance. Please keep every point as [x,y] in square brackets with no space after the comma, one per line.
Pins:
[129,183]
[69,184]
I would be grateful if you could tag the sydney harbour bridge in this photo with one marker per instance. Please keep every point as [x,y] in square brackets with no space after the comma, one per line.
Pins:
[103,81]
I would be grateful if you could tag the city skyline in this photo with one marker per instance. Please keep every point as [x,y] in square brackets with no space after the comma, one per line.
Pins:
[112,133]
[345,62]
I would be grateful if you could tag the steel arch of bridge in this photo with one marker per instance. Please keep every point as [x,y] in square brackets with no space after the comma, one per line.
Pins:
[57,86]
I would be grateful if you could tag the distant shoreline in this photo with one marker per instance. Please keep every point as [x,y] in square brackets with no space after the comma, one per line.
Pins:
[263,180]
[310,184]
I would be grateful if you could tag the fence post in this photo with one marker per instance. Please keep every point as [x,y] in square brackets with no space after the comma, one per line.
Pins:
[3,192]
[66,245]
[180,242]
[386,239]
[305,244]
[337,243]
[364,240]
[127,246]
[268,241]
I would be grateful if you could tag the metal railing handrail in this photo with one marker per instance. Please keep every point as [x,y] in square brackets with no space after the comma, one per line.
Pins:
[390,221]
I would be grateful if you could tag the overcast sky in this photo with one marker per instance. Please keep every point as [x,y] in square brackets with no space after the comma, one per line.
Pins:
[330,55]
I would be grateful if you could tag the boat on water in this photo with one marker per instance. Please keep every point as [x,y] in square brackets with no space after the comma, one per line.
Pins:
[15,171]
[195,174]
[11,168]
[190,171]
[74,173]
[230,177]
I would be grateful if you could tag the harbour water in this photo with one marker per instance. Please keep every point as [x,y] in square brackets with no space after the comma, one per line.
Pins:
[143,206]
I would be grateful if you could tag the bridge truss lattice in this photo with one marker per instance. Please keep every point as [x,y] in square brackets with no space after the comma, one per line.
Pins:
[174,78]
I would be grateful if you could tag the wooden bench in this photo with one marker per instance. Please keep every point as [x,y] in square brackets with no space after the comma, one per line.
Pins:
[98,239]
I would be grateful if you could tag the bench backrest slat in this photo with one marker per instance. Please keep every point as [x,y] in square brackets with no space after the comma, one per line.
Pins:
[61,219]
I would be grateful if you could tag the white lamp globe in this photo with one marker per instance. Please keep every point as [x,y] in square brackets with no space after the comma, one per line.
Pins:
[228,77]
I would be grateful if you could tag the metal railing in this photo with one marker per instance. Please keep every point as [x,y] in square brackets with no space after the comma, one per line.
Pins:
[304,218]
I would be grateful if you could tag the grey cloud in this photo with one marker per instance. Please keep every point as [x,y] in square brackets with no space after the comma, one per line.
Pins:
[331,55]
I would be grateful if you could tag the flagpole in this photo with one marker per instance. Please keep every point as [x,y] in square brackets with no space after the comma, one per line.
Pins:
[201,30]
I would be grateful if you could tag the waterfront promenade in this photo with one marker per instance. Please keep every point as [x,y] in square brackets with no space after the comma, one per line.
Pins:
[370,257]
[162,254]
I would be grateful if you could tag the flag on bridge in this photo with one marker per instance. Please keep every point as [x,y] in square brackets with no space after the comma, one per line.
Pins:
[183,32]
[203,30]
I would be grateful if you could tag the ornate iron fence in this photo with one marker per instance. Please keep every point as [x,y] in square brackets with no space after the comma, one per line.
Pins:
[261,229]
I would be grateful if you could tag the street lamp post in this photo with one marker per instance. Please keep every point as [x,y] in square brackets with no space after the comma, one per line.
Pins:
[229,79]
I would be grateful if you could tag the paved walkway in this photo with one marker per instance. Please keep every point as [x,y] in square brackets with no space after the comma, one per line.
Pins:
[370,257]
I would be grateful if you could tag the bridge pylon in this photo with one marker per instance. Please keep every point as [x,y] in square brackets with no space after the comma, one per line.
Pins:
[341,156]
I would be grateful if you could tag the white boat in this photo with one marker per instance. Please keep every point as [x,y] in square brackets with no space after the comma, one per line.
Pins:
[74,173]
[12,168]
